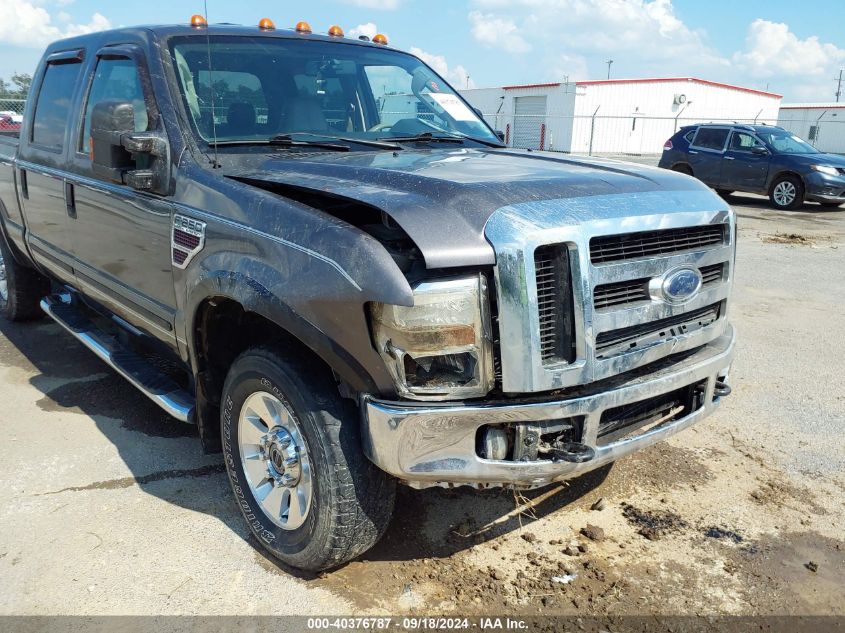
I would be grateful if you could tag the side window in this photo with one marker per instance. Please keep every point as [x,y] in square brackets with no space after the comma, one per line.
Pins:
[742,142]
[53,106]
[115,80]
[711,138]
[689,136]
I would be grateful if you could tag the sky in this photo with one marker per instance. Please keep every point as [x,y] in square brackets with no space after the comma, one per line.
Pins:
[792,47]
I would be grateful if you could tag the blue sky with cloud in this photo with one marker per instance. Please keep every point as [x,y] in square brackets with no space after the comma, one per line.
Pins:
[795,48]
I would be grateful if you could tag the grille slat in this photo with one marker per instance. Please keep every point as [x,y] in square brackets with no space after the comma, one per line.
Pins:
[554,302]
[617,341]
[636,290]
[610,248]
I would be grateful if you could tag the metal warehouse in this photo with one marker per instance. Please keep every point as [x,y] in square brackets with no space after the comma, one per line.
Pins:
[615,116]
[822,124]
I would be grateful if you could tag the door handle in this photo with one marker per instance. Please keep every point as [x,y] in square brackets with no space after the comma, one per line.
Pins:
[70,199]
[729,158]
[692,151]
[24,185]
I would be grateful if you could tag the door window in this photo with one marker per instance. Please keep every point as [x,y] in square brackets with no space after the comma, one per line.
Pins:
[53,106]
[744,142]
[711,138]
[115,80]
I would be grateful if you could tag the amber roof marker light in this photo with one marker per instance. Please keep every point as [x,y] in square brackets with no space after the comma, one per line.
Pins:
[198,21]
[380,39]
[266,24]
[335,31]
[303,27]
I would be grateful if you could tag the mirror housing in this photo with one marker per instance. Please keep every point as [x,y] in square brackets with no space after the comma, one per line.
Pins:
[759,150]
[140,160]
[500,135]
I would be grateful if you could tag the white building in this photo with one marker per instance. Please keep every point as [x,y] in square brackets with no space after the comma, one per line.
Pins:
[625,116]
[822,124]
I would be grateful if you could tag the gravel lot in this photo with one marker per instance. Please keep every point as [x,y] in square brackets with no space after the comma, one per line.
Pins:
[109,507]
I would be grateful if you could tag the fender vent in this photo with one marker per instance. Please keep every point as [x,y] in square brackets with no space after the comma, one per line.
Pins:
[187,239]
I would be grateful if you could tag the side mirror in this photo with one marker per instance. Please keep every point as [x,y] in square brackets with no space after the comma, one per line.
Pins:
[759,150]
[119,154]
[500,135]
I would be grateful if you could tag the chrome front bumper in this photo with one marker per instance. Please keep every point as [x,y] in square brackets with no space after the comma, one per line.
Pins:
[430,445]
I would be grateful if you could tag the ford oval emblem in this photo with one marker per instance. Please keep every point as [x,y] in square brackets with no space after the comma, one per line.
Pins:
[680,285]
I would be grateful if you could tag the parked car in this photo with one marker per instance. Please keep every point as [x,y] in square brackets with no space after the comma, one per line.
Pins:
[342,302]
[761,159]
[8,124]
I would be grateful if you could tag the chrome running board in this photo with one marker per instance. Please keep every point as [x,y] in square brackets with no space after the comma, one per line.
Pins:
[157,386]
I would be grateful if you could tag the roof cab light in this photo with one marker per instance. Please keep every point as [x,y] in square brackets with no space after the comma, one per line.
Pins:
[667,145]
[380,39]
[303,27]
[266,24]
[198,21]
[335,31]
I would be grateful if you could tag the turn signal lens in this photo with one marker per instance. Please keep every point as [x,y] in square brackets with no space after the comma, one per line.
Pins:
[380,39]
[266,24]
[303,27]
[198,21]
[336,31]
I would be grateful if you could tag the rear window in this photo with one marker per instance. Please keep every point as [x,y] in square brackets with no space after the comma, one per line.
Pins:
[711,138]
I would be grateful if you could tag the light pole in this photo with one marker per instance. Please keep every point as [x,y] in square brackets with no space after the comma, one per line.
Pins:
[609,63]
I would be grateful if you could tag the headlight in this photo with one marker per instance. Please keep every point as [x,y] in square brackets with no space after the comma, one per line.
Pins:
[825,169]
[442,347]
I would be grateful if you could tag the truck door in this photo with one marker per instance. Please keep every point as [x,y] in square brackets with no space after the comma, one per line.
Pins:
[41,164]
[746,163]
[121,236]
[706,152]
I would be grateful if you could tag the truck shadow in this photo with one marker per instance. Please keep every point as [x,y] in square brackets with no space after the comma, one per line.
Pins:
[165,459]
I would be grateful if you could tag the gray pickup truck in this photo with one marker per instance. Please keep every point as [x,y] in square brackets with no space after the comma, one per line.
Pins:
[313,249]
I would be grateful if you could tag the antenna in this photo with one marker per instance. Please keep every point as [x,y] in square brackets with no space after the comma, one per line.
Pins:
[215,164]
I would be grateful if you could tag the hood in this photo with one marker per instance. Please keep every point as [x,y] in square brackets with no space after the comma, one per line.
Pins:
[834,160]
[443,198]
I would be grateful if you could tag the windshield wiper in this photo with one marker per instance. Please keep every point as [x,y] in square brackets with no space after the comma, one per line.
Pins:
[425,137]
[282,140]
[346,139]
[428,137]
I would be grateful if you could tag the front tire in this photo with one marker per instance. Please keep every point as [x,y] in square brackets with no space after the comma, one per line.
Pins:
[293,454]
[787,193]
[21,288]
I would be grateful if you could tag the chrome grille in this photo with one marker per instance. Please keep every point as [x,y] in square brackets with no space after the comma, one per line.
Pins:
[612,248]
[618,341]
[636,290]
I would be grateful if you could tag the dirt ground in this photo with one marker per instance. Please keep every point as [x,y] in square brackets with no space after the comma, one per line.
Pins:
[108,507]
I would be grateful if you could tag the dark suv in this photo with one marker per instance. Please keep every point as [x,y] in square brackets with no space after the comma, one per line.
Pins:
[760,159]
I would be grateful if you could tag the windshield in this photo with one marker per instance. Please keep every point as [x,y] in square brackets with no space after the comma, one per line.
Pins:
[786,142]
[260,88]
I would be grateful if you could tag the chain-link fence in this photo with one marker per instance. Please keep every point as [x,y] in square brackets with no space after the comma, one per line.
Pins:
[11,107]
[638,135]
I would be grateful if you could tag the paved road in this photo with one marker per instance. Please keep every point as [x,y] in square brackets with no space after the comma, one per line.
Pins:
[109,507]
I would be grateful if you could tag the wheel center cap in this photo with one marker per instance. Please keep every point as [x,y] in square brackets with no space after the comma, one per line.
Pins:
[277,459]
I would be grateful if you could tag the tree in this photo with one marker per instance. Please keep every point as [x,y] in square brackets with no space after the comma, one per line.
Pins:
[23,81]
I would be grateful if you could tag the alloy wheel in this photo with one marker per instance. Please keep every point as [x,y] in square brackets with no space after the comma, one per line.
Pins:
[275,459]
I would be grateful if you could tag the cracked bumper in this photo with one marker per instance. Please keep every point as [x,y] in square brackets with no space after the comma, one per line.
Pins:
[426,445]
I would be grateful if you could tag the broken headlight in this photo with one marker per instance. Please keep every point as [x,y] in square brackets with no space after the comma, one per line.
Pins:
[440,348]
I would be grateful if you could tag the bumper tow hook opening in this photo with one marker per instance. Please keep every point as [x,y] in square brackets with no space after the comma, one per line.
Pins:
[721,389]
[573,452]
